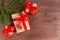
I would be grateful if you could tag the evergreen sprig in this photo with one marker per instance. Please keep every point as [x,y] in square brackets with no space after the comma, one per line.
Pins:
[13,6]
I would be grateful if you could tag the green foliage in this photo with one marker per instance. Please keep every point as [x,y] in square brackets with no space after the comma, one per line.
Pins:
[13,6]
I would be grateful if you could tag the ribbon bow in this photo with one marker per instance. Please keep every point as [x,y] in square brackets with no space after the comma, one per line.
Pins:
[31,8]
[19,20]
[8,30]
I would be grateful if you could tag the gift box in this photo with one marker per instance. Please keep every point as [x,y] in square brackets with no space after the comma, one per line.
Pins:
[21,23]
[31,8]
[9,30]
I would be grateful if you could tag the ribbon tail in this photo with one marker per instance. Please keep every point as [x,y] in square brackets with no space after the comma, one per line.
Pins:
[24,24]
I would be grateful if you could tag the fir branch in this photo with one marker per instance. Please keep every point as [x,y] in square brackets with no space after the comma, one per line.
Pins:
[1,15]
[7,11]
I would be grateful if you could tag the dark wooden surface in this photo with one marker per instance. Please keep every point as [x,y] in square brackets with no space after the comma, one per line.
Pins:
[46,24]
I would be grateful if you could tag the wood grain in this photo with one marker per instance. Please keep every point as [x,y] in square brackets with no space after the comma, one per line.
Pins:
[46,24]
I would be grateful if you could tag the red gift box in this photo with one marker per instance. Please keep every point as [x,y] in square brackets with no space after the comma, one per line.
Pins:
[31,8]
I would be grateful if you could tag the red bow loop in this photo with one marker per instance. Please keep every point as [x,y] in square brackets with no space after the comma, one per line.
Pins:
[8,30]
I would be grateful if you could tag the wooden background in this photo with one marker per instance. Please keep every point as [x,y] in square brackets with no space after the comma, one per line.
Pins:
[46,24]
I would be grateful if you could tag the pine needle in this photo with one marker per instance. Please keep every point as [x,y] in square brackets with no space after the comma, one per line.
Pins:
[8,10]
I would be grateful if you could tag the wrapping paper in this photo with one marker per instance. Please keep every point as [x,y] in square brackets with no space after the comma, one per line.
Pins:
[21,23]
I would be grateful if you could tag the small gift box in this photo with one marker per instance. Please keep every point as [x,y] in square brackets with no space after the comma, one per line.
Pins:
[9,30]
[31,8]
[21,23]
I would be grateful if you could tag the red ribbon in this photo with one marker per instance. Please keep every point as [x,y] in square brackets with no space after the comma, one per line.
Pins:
[21,19]
[32,9]
[28,4]
[7,30]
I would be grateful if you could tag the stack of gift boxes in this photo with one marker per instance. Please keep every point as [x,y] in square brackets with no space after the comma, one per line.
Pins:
[21,20]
